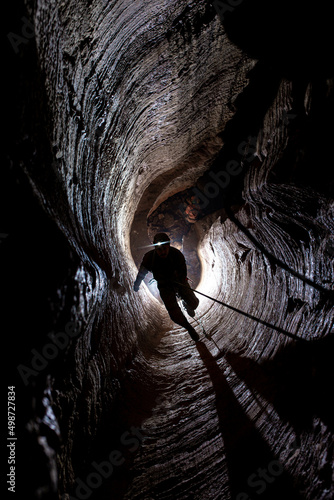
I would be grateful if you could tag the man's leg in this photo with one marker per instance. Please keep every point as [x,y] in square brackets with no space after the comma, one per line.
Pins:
[168,296]
[190,299]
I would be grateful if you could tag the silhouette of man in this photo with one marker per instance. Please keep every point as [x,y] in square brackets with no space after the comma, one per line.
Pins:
[169,267]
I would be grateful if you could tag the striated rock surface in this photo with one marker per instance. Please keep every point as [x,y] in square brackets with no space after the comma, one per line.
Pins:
[145,106]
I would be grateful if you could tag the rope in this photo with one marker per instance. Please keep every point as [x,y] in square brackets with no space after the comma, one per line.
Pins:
[275,259]
[265,323]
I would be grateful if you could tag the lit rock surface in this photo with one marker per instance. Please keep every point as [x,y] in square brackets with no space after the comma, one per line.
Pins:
[141,97]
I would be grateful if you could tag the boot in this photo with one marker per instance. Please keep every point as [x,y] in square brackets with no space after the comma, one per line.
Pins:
[189,310]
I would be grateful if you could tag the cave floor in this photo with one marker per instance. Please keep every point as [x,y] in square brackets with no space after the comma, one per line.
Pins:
[206,416]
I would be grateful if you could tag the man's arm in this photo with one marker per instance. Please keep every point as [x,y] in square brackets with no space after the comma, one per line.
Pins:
[140,276]
[145,267]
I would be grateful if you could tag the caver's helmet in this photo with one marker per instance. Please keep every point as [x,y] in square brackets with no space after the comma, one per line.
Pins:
[162,238]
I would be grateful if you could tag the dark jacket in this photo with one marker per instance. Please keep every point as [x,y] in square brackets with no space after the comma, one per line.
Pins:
[171,268]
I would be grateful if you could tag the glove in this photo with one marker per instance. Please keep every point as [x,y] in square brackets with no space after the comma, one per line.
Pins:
[136,286]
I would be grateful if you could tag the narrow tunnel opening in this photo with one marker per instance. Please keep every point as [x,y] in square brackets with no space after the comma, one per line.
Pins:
[201,236]
[170,204]
[176,217]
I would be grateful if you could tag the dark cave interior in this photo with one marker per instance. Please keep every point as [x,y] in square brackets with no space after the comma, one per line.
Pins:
[213,122]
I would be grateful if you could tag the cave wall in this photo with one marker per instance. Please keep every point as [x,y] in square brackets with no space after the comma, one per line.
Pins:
[139,98]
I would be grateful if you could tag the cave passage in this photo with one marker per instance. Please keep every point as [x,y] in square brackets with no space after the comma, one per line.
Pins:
[216,129]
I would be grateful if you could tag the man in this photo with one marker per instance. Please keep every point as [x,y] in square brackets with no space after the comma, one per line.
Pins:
[169,267]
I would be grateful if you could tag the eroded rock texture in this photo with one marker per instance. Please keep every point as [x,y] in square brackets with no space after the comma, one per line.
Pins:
[144,101]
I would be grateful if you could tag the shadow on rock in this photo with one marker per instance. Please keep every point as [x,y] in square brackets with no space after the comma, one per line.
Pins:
[252,466]
[297,381]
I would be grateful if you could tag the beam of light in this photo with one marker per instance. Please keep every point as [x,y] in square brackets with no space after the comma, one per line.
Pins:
[156,244]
